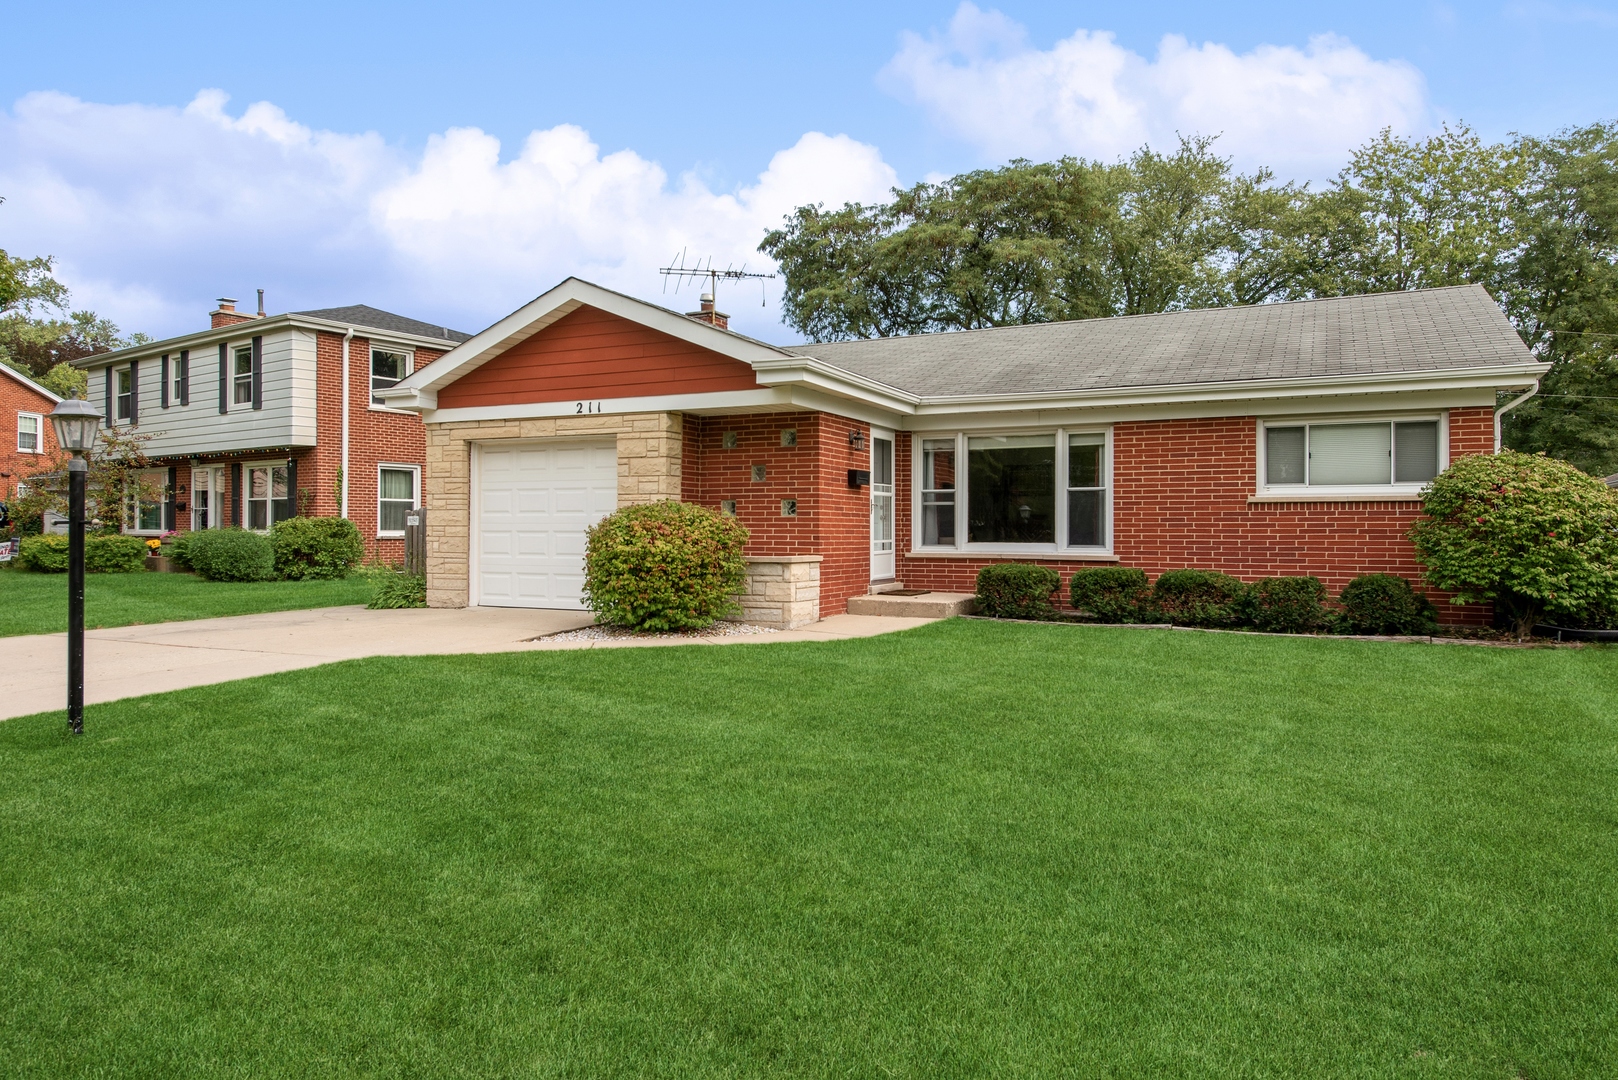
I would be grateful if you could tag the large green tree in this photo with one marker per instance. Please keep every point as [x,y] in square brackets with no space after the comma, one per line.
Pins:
[39,336]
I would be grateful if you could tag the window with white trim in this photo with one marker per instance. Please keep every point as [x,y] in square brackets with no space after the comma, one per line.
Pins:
[1349,455]
[1020,492]
[126,393]
[242,376]
[30,433]
[266,496]
[143,501]
[387,369]
[397,490]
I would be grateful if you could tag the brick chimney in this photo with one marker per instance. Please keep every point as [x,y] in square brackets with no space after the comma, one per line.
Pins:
[709,315]
[226,314]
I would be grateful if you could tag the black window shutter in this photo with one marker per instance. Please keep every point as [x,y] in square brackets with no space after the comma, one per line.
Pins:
[258,373]
[168,503]
[109,418]
[163,377]
[134,393]
[185,376]
[224,374]
[292,487]
[235,491]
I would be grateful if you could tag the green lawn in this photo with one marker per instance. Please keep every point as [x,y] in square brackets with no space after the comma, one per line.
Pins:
[33,603]
[974,849]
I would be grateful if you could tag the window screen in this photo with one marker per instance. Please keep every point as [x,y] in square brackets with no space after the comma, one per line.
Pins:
[1284,452]
[1415,452]
[1086,491]
[1342,454]
[938,492]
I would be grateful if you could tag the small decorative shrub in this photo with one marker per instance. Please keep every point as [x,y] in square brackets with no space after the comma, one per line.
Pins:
[664,566]
[1017,590]
[1285,605]
[399,590]
[180,550]
[1199,598]
[231,555]
[1113,594]
[102,554]
[309,548]
[1385,604]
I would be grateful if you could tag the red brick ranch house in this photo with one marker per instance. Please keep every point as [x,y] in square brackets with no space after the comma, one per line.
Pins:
[1276,439]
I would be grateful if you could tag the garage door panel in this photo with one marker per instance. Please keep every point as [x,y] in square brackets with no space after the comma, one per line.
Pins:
[535,503]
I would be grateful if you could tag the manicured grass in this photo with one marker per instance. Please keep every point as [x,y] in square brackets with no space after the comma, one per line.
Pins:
[32,603]
[975,849]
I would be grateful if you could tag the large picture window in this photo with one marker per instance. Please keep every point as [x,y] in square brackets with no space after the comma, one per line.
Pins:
[396,497]
[1035,491]
[1350,455]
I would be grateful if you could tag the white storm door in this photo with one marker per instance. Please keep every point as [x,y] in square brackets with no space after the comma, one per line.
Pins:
[882,558]
[535,501]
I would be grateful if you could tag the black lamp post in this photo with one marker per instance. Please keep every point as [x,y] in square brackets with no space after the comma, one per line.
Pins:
[77,424]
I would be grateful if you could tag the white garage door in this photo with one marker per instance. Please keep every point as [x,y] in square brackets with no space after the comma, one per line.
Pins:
[534,502]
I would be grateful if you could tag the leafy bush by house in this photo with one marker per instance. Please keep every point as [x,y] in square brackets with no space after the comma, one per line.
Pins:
[1113,594]
[1199,598]
[1017,590]
[179,550]
[1532,534]
[1385,604]
[112,554]
[1285,605]
[664,566]
[232,555]
[310,548]
[398,590]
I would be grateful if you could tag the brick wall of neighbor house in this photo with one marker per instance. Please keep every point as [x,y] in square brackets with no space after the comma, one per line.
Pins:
[1181,491]
[833,520]
[14,466]
[649,469]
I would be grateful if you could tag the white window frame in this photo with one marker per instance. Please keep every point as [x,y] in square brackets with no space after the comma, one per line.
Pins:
[123,400]
[1330,492]
[370,386]
[132,504]
[213,488]
[963,496]
[39,432]
[239,378]
[415,499]
[247,492]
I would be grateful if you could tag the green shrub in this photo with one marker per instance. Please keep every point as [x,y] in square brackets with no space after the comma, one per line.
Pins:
[102,554]
[1385,604]
[1285,605]
[399,590]
[664,566]
[1199,598]
[179,550]
[231,555]
[1113,594]
[1531,534]
[308,548]
[1017,590]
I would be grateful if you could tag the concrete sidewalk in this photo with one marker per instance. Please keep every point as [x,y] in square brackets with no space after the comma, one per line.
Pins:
[129,661]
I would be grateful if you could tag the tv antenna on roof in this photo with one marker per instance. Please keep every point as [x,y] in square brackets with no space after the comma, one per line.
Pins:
[679,272]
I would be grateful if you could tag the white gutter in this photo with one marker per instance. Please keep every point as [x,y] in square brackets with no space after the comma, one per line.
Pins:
[343,509]
[1507,407]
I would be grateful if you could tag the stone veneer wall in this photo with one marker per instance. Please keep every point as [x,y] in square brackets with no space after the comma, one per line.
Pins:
[781,591]
[649,448]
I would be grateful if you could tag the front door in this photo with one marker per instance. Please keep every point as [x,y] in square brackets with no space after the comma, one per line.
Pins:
[882,558]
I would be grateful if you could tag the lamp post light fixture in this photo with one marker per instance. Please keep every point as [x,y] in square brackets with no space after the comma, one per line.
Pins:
[77,424]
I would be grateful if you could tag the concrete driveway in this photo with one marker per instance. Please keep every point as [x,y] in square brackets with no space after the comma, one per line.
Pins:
[130,661]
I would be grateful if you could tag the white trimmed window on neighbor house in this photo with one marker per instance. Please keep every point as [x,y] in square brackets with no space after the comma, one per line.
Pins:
[242,376]
[398,492]
[30,433]
[266,495]
[126,394]
[388,367]
[143,501]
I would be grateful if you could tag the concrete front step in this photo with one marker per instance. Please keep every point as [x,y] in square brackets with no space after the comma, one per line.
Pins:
[933,605]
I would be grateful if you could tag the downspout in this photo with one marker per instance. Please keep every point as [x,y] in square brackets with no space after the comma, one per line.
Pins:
[343,465]
[1507,407]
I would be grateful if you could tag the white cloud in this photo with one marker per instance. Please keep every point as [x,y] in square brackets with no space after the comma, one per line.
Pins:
[1298,110]
[153,211]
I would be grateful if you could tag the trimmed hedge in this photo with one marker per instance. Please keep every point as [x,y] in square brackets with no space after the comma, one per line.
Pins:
[1385,604]
[1113,594]
[398,590]
[231,555]
[1199,598]
[102,554]
[1017,590]
[664,566]
[1285,605]
[311,548]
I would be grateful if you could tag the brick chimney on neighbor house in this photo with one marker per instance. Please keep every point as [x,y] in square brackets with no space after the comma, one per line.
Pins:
[709,315]
[226,314]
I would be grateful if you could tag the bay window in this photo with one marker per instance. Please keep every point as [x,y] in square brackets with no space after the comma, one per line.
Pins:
[1025,492]
[1346,455]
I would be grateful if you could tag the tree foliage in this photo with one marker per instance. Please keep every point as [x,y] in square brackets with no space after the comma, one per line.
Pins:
[38,333]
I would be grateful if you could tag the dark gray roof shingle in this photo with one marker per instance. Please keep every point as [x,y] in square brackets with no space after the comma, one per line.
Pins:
[1421,330]
[364,315]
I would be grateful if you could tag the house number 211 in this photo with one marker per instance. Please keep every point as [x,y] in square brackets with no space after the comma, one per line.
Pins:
[587,406]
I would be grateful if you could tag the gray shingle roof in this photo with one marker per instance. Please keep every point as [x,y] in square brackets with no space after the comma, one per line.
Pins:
[1422,330]
[364,315]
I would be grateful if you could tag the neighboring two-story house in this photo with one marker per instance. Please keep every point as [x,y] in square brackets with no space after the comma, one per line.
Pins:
[263,417]
[27,441]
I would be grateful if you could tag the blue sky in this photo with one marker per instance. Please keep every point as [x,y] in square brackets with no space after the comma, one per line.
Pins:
[394,158]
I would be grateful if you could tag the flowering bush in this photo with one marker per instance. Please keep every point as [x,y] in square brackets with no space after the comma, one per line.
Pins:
[664,566]
[1532,534]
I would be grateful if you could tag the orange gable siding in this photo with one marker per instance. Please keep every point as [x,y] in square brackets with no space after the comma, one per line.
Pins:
[590,354]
